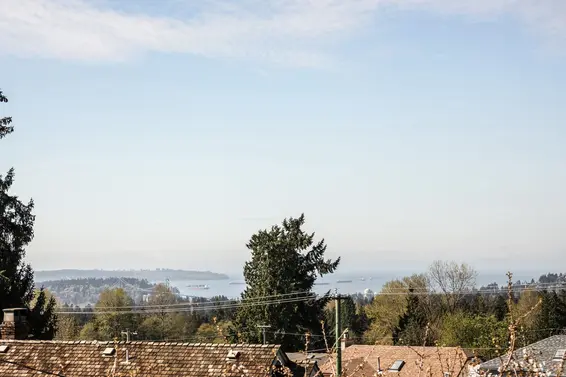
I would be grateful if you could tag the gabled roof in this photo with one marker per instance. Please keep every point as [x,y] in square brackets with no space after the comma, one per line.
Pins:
[362,360]
[155,359]
[542,351]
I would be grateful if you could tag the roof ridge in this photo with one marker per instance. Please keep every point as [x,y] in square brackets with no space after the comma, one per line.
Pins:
[140,342]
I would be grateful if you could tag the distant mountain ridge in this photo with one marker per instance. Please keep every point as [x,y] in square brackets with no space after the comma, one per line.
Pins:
[151,275]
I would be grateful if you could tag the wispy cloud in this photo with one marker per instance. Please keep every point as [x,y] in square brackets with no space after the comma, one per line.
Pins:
[288,32]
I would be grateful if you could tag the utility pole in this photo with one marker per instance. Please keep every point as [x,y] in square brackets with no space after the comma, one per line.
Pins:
[338,336]
[263,328]
[128,333]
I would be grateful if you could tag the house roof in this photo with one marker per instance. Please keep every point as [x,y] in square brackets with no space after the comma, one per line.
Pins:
[155,359]
[302,357]
[542,351]
[306,363]
[362,360]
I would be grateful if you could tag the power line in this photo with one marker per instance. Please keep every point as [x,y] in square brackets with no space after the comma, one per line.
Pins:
[207,303]
[233,304]
[193,309]
[196,307]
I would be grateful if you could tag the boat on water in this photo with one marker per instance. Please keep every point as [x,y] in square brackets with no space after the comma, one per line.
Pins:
[344,281]
[321,283]
[198,286]
[237,283]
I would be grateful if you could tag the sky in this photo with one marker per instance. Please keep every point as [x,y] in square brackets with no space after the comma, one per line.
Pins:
[164,133]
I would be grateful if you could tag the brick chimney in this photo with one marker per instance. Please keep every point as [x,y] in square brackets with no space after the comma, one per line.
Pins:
[15,325]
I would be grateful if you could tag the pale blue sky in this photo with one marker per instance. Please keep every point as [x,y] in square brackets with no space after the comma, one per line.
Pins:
[164,133]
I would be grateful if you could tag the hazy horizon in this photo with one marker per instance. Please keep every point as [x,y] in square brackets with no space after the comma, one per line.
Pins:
[523,272]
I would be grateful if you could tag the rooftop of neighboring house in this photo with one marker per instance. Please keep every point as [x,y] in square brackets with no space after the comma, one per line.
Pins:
[319,357]
[309,362]
[400,361]
[19,358]
[550,352]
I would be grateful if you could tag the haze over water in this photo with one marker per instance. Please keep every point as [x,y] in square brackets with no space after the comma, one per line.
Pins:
[224,288]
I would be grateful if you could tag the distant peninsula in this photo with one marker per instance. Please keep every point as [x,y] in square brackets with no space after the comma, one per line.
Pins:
[160,274]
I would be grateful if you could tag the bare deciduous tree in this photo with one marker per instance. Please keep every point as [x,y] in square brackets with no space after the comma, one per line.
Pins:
[453,280]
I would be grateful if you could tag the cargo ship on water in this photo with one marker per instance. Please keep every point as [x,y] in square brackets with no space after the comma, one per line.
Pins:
[198,286]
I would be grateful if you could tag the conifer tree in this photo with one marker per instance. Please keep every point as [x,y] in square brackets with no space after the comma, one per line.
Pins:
[412,324]
[548,322]
[284,265]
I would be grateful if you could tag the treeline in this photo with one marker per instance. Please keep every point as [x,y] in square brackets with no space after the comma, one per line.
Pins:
[163,317]
[443,307]
[87,290]
[440,307]
[95,282]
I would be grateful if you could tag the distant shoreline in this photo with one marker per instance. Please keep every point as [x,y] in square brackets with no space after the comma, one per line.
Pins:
[150,275]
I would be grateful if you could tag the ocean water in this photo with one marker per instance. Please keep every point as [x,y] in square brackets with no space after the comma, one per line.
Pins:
[352,283]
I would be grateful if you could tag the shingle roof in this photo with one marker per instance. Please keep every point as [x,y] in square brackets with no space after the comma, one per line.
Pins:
[155,359]
[543,351]
[306,364]
[301,357]
[362,360]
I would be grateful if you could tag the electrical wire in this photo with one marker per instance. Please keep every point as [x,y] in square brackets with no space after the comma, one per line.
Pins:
[192,309]
[232,304]
[213,305]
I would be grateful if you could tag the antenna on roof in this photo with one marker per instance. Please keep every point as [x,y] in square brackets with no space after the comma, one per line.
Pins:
[128,333]
[263,328]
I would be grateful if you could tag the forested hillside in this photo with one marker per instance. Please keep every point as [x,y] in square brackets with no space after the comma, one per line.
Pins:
[86,291]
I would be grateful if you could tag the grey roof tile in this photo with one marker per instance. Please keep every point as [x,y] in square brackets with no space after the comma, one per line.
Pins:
[543,351]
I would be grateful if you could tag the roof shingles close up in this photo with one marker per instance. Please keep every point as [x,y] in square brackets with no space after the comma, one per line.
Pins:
[364,360]
[543,351]
[85,359]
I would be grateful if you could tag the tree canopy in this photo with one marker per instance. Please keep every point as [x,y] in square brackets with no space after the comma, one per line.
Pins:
[110,322]
[285,260]
[164,324]
[388,307]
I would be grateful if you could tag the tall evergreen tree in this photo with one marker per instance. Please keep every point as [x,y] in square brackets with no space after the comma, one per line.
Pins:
[42,318]
[352,318]
[500,308]
[411,330]
[562,311]
[285,260]
[16,232]
[548,322]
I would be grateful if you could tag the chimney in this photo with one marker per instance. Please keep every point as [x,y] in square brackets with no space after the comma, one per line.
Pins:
[15,325]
